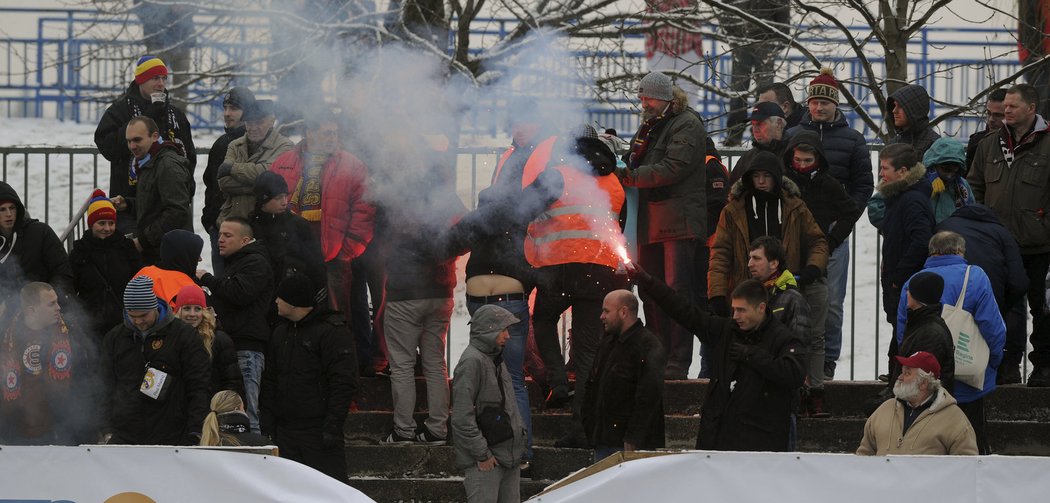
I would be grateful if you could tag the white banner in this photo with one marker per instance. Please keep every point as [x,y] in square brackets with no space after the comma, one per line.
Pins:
[742,477]
[123,474]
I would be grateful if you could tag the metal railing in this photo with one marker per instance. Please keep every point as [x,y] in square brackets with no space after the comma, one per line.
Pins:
[55,183]
[66,72]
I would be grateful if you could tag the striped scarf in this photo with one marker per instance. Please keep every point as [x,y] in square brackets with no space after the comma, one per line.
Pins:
[640,144]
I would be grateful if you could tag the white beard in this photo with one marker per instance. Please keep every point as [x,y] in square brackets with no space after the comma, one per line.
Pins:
[906,392]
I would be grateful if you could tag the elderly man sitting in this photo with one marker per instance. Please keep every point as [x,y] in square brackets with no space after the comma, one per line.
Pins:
[922,418]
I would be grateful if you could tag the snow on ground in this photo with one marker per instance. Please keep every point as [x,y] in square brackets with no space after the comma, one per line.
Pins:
[862,311]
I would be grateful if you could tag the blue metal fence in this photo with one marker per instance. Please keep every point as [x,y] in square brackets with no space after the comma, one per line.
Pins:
[68,72]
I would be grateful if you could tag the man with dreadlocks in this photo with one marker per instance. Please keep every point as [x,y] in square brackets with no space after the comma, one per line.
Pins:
[45,369]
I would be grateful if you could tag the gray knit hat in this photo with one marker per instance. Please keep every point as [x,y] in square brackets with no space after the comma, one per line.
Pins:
[139,296]
[656,85]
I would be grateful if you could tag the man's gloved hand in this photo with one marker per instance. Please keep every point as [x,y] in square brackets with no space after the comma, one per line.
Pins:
[719,306]
[224,170]
[808,275]
[739,352]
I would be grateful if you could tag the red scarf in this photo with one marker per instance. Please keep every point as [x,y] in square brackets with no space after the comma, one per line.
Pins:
[641,140]
[59,359]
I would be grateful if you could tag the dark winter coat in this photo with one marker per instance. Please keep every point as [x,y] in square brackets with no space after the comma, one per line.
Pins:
[907,228]
[971,145]
[717,187]
[242,296]
[625,391]
[992,248]
[32,253]
[1017,194]
[833,209]
[416,268]
[212,195]
[172,347]
[926,331]
[776,147]
[796,116]
[788,305]
[101,270]
[749,402]
[916,103]
[225,371]
[849,160]
[671,177]
[291,245]
[804,242]
[162,199]
[112,143]
[237,425]
[310,376]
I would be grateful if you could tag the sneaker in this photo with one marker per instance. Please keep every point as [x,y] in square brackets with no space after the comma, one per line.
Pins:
[1008,374]
[423,436]
[1040,377]
[394,438]
[829,370]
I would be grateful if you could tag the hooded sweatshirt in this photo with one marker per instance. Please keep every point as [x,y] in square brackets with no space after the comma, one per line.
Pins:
[916,103]
[31,253]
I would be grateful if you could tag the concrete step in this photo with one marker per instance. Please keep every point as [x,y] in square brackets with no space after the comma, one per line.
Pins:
[427,490]
[815,435]
[843,398]
[429,462]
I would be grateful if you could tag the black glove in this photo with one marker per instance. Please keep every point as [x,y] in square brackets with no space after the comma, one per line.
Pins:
[224,170]
[739,352]
[719,306]
[808,275]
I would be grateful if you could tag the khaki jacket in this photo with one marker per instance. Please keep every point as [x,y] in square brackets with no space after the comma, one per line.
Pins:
[238,189]
[804,241]
[939,430]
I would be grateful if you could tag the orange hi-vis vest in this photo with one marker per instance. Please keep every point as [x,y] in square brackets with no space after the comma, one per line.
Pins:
[537,162]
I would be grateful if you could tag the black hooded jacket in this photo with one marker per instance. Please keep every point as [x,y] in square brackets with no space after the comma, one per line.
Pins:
[992,247]
[847,153]
[101,270]
[926,331]
[242,296]
[32,253]
[212,195]
[112,143]
[291,246]
[916,103]
[833,209]
[763,208]
[180,251]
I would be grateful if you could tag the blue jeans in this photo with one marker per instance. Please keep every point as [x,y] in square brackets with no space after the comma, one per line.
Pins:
[838,273]
[514,357]
[251,364]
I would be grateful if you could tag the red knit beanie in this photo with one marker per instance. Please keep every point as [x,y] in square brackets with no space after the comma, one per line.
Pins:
[190,295]
[824,86]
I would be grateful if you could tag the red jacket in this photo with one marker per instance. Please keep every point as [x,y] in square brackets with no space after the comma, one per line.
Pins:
[347,218]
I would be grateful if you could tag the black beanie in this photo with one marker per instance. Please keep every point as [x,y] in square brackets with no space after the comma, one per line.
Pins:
[240,97]
[926,287]
[297,290]
[267,185]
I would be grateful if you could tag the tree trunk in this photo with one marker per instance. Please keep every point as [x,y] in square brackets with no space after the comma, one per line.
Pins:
[894,21]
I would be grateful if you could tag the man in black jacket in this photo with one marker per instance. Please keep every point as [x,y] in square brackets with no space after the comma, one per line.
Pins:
[909,109]
[309,381]
[624,408]
[925,329]
[242,298]
[146,95]
[233,106]
[156,374]
[994,112]
[756,368]
[290,243]
[767,133]
[780,93]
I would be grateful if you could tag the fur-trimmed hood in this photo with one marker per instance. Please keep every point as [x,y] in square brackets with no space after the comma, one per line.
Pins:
[915,174]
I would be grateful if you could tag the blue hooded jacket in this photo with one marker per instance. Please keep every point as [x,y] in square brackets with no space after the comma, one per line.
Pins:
[979,301]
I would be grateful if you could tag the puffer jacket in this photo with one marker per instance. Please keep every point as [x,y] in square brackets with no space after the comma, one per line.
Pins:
[671,178]
[749,401]
[979,302]
[907,228]
[348,217]
[992,248]
[939,430]
[172,347]
[916,103]
[804,242]
[788,305]
[833,209]
[238,187]
[1017,193]
[476,386]
[110,137]
[32,253]
[848,156]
